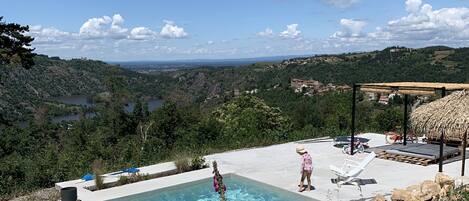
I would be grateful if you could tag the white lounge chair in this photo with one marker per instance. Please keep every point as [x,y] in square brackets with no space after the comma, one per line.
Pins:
[350,170]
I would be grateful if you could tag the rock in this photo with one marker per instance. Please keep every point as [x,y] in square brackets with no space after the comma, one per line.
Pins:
[415,192]
[445,190]
[413,188]
[429,190]
[379,197]
[400,195]
[442,180]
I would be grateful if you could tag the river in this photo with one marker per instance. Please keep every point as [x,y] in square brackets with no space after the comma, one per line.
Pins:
[85,101]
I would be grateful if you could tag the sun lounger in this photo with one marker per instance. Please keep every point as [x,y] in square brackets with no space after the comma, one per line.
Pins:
[350,171]
[344,140]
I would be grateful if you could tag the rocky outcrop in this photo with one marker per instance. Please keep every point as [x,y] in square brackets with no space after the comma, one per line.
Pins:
[445,182]
[426,191]
[379,197]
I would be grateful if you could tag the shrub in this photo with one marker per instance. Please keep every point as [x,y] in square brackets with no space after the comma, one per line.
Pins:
[138,177]
[183,164]
[99,181]
[198,163]
[97,170]
[459,193]
[132,178]
[123,180]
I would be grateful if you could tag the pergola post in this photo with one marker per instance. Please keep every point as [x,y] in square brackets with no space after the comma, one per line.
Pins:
[440,162]
[464,144]
[406,102]
[352,139]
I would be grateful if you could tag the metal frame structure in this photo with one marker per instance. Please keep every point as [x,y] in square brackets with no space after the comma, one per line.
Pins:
[407,88]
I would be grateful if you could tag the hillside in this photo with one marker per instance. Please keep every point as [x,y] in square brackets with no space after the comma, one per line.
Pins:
[211,120]
[23,91]
[431,64]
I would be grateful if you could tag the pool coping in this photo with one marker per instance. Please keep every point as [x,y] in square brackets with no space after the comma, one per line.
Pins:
[82,186]
[139,187]
[155,184]
[225,175]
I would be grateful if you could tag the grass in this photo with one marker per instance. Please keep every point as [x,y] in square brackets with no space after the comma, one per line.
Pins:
[98,170]
[461,193]
[132,179]
[41,195]
[183,164]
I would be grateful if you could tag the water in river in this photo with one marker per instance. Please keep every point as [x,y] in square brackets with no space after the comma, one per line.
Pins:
[86,101]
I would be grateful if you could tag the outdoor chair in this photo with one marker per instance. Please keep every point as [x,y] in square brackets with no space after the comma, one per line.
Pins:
[350,170]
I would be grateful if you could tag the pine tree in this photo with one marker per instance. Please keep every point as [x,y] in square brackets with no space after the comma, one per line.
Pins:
[14,45]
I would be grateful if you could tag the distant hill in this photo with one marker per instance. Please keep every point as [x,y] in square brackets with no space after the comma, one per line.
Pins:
[194,63]
[24,91]
[430,64]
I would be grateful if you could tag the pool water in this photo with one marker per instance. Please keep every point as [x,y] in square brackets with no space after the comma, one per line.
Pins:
[238,189]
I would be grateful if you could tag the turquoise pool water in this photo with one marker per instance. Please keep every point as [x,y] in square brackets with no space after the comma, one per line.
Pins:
[238,189]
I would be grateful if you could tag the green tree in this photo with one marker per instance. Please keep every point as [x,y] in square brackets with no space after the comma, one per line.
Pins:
[14,45]
[248,119]
[389,119]
[167,119]
[138,113]
[14,48]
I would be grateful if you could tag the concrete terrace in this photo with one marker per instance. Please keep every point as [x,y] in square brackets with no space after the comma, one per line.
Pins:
[279,165]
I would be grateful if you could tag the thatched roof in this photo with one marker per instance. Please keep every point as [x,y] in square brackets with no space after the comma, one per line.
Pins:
[449,115]
[415,88]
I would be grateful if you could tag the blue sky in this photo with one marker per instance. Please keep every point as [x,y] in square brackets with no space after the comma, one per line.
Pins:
[115,30]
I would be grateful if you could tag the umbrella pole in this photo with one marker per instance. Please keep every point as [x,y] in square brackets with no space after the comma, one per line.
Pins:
[352,139]
[440,162]
[406,101]
[464,153]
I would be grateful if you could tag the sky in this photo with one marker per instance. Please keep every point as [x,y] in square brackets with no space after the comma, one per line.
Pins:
[125,30]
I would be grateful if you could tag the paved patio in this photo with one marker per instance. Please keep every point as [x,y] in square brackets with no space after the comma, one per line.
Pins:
[279,165]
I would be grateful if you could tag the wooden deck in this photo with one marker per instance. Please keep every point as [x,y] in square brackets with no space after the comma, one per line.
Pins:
[415,153]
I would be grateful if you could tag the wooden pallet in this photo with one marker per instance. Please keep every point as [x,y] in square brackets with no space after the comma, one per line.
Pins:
[404,159]
[451,143]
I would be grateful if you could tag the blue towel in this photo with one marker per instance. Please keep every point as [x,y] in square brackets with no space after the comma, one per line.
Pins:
[88,177]
[132,170]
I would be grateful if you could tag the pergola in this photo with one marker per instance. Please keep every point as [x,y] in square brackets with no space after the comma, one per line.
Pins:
[405,88]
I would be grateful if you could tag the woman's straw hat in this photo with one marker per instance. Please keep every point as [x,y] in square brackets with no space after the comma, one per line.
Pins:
[300,149]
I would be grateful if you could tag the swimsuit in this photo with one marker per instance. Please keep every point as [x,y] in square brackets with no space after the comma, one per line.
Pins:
[307,163]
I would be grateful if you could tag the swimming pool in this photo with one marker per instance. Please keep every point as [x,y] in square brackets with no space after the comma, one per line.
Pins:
[238,189]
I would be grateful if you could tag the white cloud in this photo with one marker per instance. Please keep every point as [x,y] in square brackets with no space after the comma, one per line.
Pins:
[171,30]
[291,32]
[341,3]
[268,32]
[350,29]
[422,26]
[112,28]
[48,35]
[95,27]
[117,31]
[424,23]
[413,6]
[142,33]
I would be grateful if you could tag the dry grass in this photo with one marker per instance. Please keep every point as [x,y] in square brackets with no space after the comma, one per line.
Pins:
[183,164]
[448,115]
[41,195]
[97,167]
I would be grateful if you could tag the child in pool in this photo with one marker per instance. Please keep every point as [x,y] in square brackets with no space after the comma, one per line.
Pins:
[306,167]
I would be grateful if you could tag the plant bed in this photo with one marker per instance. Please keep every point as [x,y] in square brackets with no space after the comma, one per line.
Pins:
[182,165]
